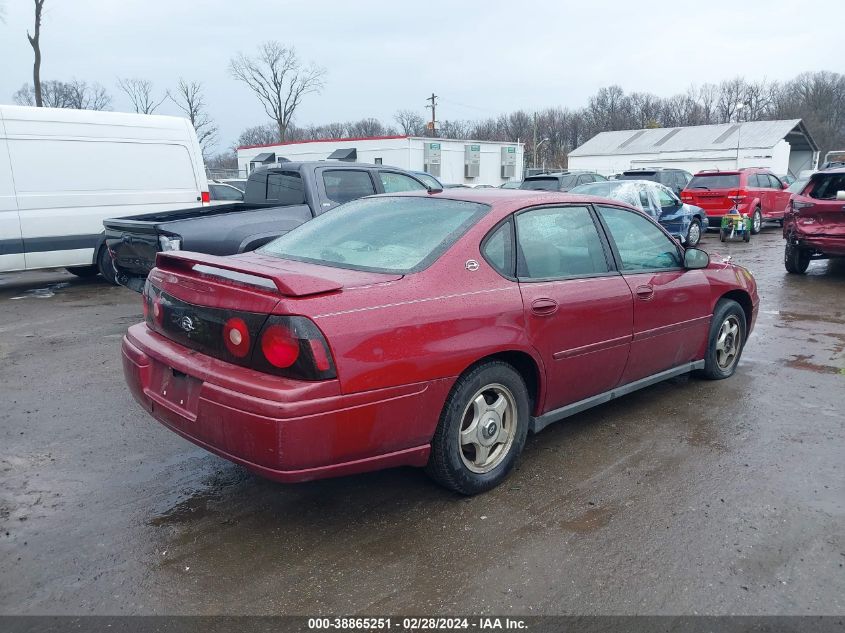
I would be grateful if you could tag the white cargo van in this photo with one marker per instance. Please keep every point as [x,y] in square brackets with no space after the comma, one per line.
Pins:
[62,172]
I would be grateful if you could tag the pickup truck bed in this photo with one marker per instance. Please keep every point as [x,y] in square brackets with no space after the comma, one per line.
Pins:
[277,200]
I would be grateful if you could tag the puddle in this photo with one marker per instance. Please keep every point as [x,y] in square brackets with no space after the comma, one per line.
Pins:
[593,519]
[798,316]
[42,293]
[803,362]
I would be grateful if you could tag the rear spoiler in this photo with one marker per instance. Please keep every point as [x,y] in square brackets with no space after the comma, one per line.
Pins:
[287,283]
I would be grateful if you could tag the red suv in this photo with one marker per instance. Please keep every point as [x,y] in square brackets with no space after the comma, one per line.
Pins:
[754,191]
[430,330]
[814,225]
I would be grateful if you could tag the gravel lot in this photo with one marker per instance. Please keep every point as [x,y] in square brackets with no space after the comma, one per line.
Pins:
[688,497]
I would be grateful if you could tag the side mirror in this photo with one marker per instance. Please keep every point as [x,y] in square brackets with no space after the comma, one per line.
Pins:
[695,259]
[840,195]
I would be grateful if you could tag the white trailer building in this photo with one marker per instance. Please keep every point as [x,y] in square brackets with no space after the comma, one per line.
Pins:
[451,161]
[785,147]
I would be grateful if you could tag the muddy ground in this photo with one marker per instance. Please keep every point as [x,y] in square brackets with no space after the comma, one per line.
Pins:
[688,497]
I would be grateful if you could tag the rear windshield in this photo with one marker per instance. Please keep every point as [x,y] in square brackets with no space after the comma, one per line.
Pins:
[638,175]
[827,185]
[551,183]
[394,234]
[714,181]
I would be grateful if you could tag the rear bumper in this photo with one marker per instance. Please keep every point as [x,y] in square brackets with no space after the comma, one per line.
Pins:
[830,246]
[282,429]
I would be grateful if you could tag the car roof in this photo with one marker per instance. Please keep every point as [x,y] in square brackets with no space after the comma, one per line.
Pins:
[509,200]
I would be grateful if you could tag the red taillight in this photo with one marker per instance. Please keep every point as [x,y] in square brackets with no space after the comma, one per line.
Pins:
[320,354]
[158,311]
[279,346]
[736,196]
[206,197]
[236,337]
[686,197]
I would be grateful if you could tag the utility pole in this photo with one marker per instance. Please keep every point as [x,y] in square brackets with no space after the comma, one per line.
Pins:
[534,144]
[433,107]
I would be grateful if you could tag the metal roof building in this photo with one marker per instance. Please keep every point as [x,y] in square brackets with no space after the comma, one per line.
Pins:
[782,146]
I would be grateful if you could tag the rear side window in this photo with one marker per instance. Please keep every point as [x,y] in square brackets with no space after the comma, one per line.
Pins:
[391,234]
[558,242]
[224,192]
[344,185]
[826,187]
[285,188]
[714,181]
[498,249]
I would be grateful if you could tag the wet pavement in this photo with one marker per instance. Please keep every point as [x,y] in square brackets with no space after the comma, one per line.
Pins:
[688,497]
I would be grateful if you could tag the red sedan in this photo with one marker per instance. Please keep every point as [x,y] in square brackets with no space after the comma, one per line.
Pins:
[427,329]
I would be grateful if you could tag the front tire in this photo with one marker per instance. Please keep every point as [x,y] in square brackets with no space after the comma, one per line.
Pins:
[726,340]
[756,221]
[694,233]
[796,259]
[482,429]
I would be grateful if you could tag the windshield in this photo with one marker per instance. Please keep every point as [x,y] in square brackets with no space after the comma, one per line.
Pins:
[394,234]
[798,185]
[714,181]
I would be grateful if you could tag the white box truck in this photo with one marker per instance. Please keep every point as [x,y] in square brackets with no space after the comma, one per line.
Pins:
[62,172]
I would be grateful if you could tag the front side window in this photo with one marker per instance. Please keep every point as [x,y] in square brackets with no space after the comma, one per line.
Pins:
[641,244]
[395,234]
[345,185]
[394,182]
[558,242]
[664,197]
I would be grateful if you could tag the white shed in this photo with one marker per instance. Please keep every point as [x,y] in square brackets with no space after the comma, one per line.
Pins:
[781,146]
[451,161]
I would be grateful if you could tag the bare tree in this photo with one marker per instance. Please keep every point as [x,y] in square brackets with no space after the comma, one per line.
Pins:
[259,135]
[35,42]
[189,99]
[410,122]
[278,79]
[73,94]
[140,93]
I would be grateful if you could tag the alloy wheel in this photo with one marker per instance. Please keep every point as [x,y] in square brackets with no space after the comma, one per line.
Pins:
[488,428]
[728,342]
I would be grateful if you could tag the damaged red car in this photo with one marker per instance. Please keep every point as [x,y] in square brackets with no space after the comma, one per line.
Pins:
[429,329]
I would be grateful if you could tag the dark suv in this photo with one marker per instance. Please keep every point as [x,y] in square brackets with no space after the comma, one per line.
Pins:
[561,180]
[675,179]
[814,224]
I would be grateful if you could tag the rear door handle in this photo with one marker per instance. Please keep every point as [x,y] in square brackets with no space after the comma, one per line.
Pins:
[544,306]
[644,292]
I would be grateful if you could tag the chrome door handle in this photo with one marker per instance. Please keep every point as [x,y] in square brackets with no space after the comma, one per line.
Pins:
[544,306]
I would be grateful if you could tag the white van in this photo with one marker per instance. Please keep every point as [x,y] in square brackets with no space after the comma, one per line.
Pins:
[62,172]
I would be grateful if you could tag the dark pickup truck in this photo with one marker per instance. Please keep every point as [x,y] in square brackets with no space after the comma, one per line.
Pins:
[277,199]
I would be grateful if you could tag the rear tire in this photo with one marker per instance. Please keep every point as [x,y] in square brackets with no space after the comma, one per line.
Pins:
[83,272]
[796,259]
[482,429]
[756,221]
[105,266]
[694,233]
[726,340]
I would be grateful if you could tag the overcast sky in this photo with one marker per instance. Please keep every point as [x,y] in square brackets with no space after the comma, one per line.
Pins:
[482,58]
